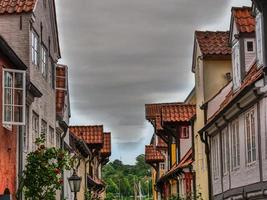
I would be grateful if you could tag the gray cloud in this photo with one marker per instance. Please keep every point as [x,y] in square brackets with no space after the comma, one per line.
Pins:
[125,53]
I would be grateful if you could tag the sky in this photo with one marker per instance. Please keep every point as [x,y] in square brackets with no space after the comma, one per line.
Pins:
[123,54]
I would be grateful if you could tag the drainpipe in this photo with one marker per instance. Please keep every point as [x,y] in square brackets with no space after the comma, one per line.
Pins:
[62,175]
[204,139]
[21,130]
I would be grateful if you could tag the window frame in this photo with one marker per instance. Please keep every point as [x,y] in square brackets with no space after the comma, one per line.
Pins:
[35,48]
[236,66]
[246,45]
[225,149]
[44,61]
[184,134]
[259,38]
[251,137]
[12,93]
[35,128]
[216,157]
[235,145]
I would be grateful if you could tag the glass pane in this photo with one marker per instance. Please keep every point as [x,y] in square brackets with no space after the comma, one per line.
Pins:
[8,79]
[18,97]
[8,96]
[7,113]
[18,80]
[18,113]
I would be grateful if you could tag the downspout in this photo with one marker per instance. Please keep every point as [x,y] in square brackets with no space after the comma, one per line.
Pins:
[21,130]
[204,139]
[62,174]
[192,123]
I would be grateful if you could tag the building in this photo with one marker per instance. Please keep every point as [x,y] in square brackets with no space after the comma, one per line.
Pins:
[172,165]
[236,116]
[97,144]
[211,63]
[13,90]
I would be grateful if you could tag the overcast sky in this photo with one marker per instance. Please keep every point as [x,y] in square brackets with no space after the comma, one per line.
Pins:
[125,53]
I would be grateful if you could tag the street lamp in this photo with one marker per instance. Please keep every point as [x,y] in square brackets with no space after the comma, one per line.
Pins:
[75,183]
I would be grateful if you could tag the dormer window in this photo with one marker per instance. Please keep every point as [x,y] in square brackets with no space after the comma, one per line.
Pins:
[184,132]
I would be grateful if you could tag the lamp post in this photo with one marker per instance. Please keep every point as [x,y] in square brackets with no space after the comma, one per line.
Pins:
[75,183]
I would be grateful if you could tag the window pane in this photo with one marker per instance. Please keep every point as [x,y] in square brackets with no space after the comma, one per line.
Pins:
[250,46]
[18,97]
[8,113]
[8,96]
[18,113]
[18,80]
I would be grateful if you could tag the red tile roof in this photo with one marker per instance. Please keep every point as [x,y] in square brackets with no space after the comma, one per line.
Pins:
[161,143]
[213,43]
[92,135]
[185,162]
[152,155]
[245,22]
[251,77]
[16,6]
[179,112]
[61,83]
[106,150]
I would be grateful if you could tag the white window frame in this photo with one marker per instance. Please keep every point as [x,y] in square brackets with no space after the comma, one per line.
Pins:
[61,77]
[35,48]
[44,129]
[250,132]
[44,61]
[12,89]
[235,145]
[225,149]
[246,46]
[51,136]
[215,157]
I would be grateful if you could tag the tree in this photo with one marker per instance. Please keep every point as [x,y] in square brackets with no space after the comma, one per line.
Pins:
[42,176]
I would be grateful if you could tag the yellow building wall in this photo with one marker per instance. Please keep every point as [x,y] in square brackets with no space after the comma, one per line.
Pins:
[209,79]
[154,177]
[81,173]
[173,149]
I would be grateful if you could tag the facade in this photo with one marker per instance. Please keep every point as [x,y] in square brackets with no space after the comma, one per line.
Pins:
[94,148]
[236,126]
[13,71]
[172,172]
[211,64]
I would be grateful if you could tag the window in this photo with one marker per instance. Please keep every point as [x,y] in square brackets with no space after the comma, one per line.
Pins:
[215,157]
[13,97]
[44,129]
[236,66]
[250,136]
[58,140]
[184,132]
[162,166]
[259,41]
[249,46]
[35,48]
[235,146]
[225,149]
[26,132]
[44,60]
[35,128]
[51,136]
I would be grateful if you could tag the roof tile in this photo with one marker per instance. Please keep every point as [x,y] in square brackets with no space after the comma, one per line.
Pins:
[245,22]
[16,6]
[152,155]
[106,150]
[213,43]
[179,112]
[92,135]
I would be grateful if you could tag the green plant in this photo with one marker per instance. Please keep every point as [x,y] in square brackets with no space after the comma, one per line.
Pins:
[43,172]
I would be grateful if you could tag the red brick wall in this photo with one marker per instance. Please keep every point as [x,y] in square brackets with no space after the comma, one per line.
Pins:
[8,146]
